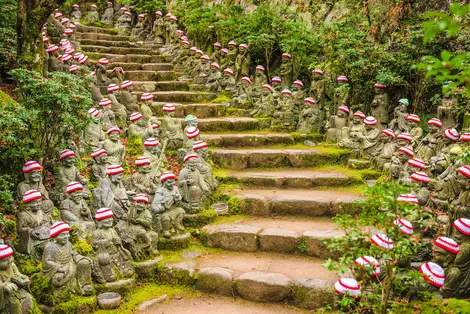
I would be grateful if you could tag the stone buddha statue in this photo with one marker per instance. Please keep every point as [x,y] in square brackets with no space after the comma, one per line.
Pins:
[459,272]
[298,96]
[336,124]
[227,83]
[440,162]
[232,57]
[102,79]
[426,149]
[264,107]
[242,62]
[124,22]
[99,165]
[242,96]
[76,14]
[370,137]
[284,112]
[107,116]
[447,111]
[310,118]
[145,105]
[215,56]
[447,184]
[224,58]
[171,128]
[415,130]
[108,15]
[204,165]
[260,76]
[385,149]
[114,149]
[351,138]
[143,181]
[159,28]
[153,151]
[341,94]
[118,108]
[212,82]
[460,207]
[399,123]
[379,105]
[33,181]
[92,136]
[317,87]
[193,188]
[126,98]
[93,15]
[285,70]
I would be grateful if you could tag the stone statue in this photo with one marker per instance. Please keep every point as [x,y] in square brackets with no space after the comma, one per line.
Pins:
[415,130]
[196,63]
[167,206]
[92,136]
[102,79]
[204,166]
[114,149]
[400,114]
[351,137]
[460,206]
[117,77]
[384,151]
[194,190]
[380,104]
[447,111]
[264,107]
[52,62]
[171,128]
[124,22]
[336,123]
[139,30]
[65,173]
[143,181]
[108,15]
[426,149]
[33,181]
[447,184]
[232,56]
[242,97]
[159,28]
[444,251]
[76,14]
[96,94]
[138,130]
[441,160]
[118,109]
[242,62]
[146,101]
[260,77]
[93,16]
[192,135]
[285,70]
[126,98]
[341,93]
[284,113]
[224,58]
[14,286]
[277,88]
[74,211]
[370,137]
[298,96]
[458,276]
[212,82]
[215,56]
[227,83]
[310,119]
[99,165]
[317,88]
[112,260]
[204,70]
[153,152]
[399,165]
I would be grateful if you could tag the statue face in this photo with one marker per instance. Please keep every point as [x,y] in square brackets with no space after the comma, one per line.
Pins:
[6,262]
[114,136]
[102,159]
[140,206]
[439,255]
[412,124]
[169,184]
[76,196]
[401,142]
[68,162]
[433,128]
[143,169]
[370,127]
[403,157]
[107,222]
[33,176]
[170,114]
[384,138]
[296,87]
[152,149]
[357,120]
[395,170]
[62,238]
[192,123]
[341,114]
[192,164]
[34,206]
[116,178]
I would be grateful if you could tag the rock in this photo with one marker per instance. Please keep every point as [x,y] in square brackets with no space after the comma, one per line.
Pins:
[145,305]
[147,269]
[278,240]
[216,280]
[178,273]
[255,205]
[313,293]
[358,164]
[174,243]
[309,143]
[233,237]
[314,243]
[122,286]
[260,286]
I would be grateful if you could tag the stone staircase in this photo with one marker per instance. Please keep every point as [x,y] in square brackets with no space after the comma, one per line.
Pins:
[287,191]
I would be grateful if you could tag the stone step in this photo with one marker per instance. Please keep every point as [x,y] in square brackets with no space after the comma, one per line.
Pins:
[292,178]
[138,75]
[239,159]
[92,29]
[156,67]
[117,50]
[101,36]
[199,110]
[180,96]
[160,86]
[132,58]
[281,234]
[227,124]
[108,43]
[247,139]
[126,66]
[296,202]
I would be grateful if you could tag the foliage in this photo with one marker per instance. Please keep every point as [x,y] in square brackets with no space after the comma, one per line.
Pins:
[6,194]
[434,306]
[379,209]
[7,35]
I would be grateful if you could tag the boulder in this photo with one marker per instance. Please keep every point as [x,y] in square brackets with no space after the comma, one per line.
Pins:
[216,280]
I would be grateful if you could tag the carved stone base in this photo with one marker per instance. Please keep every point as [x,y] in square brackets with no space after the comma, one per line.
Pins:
[147,269]
[174,243]
[358,164]
[122,286]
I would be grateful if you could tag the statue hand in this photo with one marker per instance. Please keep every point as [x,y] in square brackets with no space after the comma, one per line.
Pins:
[11,287]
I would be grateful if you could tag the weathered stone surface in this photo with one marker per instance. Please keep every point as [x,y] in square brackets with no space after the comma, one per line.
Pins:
[263,286]
[232,237]
[179,96]
[216,280]
[198,110]
[146,304]
[174,243]
[227,124]
[255,205]
[313,293]
[314,242]
[178,273]
[156,66]
[278,240]
[147,269]
[160,86]
[107,43]
[92,29]
[116,50]
[139,75]
[98,36]
[122,286]
[358,164]
[248,139]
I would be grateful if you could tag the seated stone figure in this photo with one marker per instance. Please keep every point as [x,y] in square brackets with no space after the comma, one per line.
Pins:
[93,15]
[204,71]
[145,104]
[76,14]
[167,206]
[400,163]
[67,172]
[139,128]
[242,96]
[107,116]
[447,186]
[74,211]
[264,107]
[124,22]
[426,149]
[102,80]
[284,113]
[112,260]
[227,83]
[69,272]
[192,135]
[92,136]
[440,162]
[336,123]
[14,286]
[139,236]
[384,150]
[415,130]
[193,188]
[298,96]
[460,207]
[444,251]
[126,98]
[204,165]
[190,121]
[310,118]
[369,137]
[158,162]
[108,15]
[114,149]
[212,82]
[351,137]
[118,108]
[159,28]
[142,181]
[172,131]
[33,181]
[99,165]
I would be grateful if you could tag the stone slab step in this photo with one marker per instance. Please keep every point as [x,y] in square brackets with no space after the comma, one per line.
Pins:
[180,96]
[199,110]
[239,159]
[108,43]
[296,202]
[92,29]
[160,86]
[156,66]
[132,58]
[227,124]
[247,139]
[138,75]
[292,178]
[134,66]
[101,36]
[117,50]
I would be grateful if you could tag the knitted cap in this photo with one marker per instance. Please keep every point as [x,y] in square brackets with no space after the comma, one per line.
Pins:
[31,195]
[126,84]
[199,145]
[113,88]
[135,116]
[435,121]
[260,68]
[405,136]
[420,177]
[310,100]
[169,108]
[151,142]
[465,170]
[359,114]
[228,71]
[140,161]
[142,198]
[190,156]
[232,43]
[98,152]
[286,55]
[215,65]
[66,153]
[389,132]
[344,108]
[433,273]
[447,244]
[317,72]
[404,225]
[243,46]
[342,78]
[105,102]
[103,213]
[58,228]
[380,85]
[407,198]
[369,263]
[31,166]
[114,169]
[404,101]
[382,241]
[462,225]
[268,87]
[348,287]
[276,79]
[52,48]
[407,150]
[113,129]
[146,96]
[73,68]
[286,92]
[413,117]
[451,134]
[83,59]
[246,79]
[299,83]
[465,137]
[103,61]
[217,44]
[370,121]
[416,162]
[166,176]
[74,186]
[5,251]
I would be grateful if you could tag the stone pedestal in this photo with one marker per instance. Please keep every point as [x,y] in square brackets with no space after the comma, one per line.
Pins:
[174,243]
[147,269]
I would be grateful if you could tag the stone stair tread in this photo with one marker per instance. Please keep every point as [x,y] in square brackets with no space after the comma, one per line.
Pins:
[289,173]
[93,29]
[102,36]
[325,196]
[255,139]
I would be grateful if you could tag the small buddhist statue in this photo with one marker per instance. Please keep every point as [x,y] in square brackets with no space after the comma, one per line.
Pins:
[96,94]
[370,137]
[285,70]
[93,15]
[459,281]
[232,56]
[118,109]
[114,149]
[284,112]
[444,252]
[74,211]
[153,152]
[159,28]
[143,181]
[32,225]
[171,128]
[192,135]
[400,163]
[108,15]
[190,121]
[166,24]
[204,166]
[65,173]
[342,93]
[138,129]
[33,181]
[193,188]
[336,124]
[421,180]
[14,286]
[102,79]
[427,147]
[126,98]
[460,206]
[196,64]
[140,237]
[384,150]
[124,22]
[415,130]
[447,183]
[242,97]
[212,82]
[167,206]
[310,119]
[112,260]
[260,76]
[399,123]
[264,107]
[204,70]
[99,165]
[215,56]
[172,30]
[223,59]
[139,28]
[227,83]
[92,136]
[242,62]
[317,88]
[441,160]
[351,138]
[117,77]
[447,111]
[76,14]
[52,62]
[298,96]
[276,83]
[379,105]
[146,101]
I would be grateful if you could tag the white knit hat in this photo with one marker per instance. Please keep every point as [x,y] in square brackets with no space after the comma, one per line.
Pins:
[5,251]
[114,169]
[140,161]
[190,156]
[112,88]
[169,108]
[94,112]
[447,244]
[344,108]
[298,83]
[359,114]
[142,198]
[98,152]
[103,213]
[192,132]
[166,176]
[135,116]
[404,225]
[113,129]
[74,186]
[31,195]
[126,84]
[349,287]
[151,142]
[416,162]
[66,153]
[407,198]
[435,121]
[389,132]
[57,228]
[370,121]
[405,136]
[381,240]
[199,145]
[462,225]
[369,263]
[31,166]
[433,273]
[407,150]
[420,177]
[452,134]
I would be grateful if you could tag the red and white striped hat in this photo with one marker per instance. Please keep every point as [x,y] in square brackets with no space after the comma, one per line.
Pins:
[416,162]
[113,129]
[433,273]
[135,116]
[83,59]
[407,150]
[317,72]
[224,51]
[420,177]
[286,55]
[124,9]
[447,244]
[217,44]
[407,198]
[64,42]
[75,5]
[118,69]
[465,137]
[31,166]
[5,251]
[298,83]
[169,108]
[359,114]
[215,65]
[276,79]
[389,132]
[105,102]
[192,132]
[140,161]
[70,51]
[173,18]
[98,152]
[126,84]
[380,85]
[381,240]
[435,121]
[184,38]
[142,198]
[462,225]
[113,88]
[31,195]
[268,87]
[260,68]
[465,170]
[452,134]
[92,73]
[155,126]
[404,225]
[166,176]
[103,213]
[151,142]
[103,61]
[206,58]
[185,42]
[66,57]
[68,31]
[168,15]
[199,145]
[190,156]
[64,20]
[200,52]
[232,43]
[243,46]
[57,228]
[66,153]
[114,169]
[286,92]
[74,186]
[52,48]
[146,96]
[405,136]
[413,117]
[93,6]
[141,15]
[349,287]
[310,100]
[73,68]
[228,71]
[58,14]
[344,108]
[342,78]
[246,79]
[159,13]
[370,121]
[45,39]
[369,263]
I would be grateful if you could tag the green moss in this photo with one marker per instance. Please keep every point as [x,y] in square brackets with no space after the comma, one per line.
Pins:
[134,147]
[5,98]
[76,305]
[10,228]
[83,247]
[223,97]
[26,266]
[204,217]
[313,137]
[433,307]
[41,288]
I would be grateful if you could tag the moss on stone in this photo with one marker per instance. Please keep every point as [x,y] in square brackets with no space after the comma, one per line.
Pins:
[5,98]
[76,305]
[204,217]
[26,266]
[134,147]
[223,97]
[434,306]
[41,288]
[83,248]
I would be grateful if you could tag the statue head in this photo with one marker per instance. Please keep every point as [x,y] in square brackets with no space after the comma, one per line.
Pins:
[395,170]
[67,158]
[455,152]
[32,172]
[75,192]
[357,120]
[107,223]
[190,120]
[169,110]
[444,251]
[62,238]
[402,157]
[141,202]
[116,178]
[114,134]
[144,169]
[342,114]
[60,233]
[115,173]
[463,177]
[102,159]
